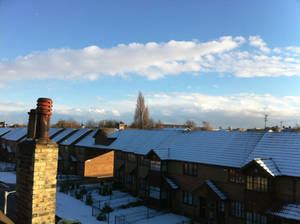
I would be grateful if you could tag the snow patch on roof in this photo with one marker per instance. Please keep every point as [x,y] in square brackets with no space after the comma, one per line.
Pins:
[15,134]
[268,165]
[63,134]
[53,131]
[78,134]
[4,131]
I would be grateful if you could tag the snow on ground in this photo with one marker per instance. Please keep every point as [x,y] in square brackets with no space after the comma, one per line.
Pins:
[168,218]
[8,177]
[70,208]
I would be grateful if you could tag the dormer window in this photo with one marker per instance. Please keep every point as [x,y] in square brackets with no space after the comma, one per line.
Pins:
[256,183]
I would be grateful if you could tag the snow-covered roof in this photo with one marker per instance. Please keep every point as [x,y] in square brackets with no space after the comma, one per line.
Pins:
[89,140]
[268,165]
[78,134]
[63,134]
[277,153]
[216,189]
[289,211]
[218,148]
[4,131]
[53,131]
[15,134]
[284,150]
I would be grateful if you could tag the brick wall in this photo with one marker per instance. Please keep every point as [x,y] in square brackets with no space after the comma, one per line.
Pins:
[100,166]
[36,182]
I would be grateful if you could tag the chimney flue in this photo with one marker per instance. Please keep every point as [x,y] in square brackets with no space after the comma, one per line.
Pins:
[31,130]
[44,112]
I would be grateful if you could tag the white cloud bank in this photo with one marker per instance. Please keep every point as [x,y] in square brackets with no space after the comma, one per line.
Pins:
[240,110]
[243,57]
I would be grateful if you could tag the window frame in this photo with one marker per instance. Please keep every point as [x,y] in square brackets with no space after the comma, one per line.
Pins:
[188,198]
[257,183]
[190,169]
[155,165]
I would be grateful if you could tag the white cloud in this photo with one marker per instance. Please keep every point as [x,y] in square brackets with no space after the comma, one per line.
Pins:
[156,60]
[256,41]
[239,110]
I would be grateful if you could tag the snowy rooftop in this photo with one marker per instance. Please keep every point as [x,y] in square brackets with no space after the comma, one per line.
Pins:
[15,134]
[284,150]
[277,153]
[77,135]
[290,211]
[53,131]
[63,134]
[4,131]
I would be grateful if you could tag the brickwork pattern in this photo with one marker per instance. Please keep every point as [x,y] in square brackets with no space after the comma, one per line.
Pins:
[36,182]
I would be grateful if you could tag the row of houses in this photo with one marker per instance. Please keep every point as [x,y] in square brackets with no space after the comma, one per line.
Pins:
[212,176]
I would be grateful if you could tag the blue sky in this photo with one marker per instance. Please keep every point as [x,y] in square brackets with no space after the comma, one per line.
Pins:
[226,62]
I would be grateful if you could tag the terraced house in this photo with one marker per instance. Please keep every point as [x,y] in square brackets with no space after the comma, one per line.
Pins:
[213,176]
[216,177]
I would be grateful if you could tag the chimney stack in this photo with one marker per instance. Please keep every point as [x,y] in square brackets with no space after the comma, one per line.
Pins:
[37,158]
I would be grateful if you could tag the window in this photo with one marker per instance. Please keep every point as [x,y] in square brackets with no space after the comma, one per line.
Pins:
[236,177]
[255,218]
[120,155]
[221,206]
[120,175]
[131,179]
[155,165]
[154,192]
[257,183]
[190,169]
[237,209]
[131,157]
[188,198]
[144,161]
[81,150]
[164,167]
[143,184]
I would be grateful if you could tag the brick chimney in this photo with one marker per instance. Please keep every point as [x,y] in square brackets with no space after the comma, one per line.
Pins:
[36,169]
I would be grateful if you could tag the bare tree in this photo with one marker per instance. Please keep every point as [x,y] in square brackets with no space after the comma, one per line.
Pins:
[91,124]
[66,124]
[190,124]
[206,126]
[141,116]
[108,124]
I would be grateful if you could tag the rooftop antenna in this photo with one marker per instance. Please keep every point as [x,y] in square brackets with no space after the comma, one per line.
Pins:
[266,119]
[281,124]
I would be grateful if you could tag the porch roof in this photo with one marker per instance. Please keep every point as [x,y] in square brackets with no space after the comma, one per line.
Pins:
[216,189]
[288,211]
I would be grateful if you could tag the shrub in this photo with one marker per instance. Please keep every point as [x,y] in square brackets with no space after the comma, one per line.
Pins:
[83,190]
[78,195]
[89,199]
[101,217]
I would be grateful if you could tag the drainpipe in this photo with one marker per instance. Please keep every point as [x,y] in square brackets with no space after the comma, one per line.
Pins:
[6,193]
